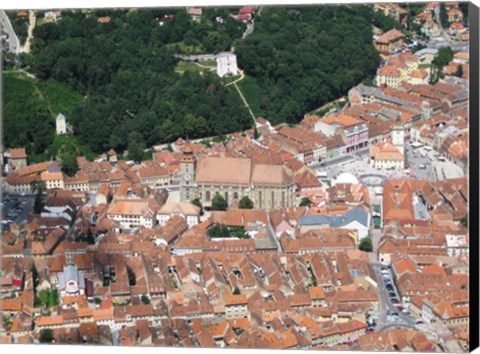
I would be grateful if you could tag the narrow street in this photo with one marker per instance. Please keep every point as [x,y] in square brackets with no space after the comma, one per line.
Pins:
[6,25]
[389,315]
[31,26]
[245,102]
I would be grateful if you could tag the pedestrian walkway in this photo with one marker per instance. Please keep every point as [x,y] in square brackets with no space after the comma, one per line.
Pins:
[245,102]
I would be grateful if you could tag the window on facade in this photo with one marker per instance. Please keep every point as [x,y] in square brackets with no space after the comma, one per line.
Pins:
[226,197]
[207,196]
[260,202]
[235,195]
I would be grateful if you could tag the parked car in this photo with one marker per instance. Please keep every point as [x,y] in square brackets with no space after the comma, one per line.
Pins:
[418,321]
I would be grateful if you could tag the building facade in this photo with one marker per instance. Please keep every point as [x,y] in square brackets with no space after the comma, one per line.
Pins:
[227,64]
[268,186]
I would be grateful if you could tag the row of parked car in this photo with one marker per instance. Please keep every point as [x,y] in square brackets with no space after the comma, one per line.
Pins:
[392,294]
[13,210]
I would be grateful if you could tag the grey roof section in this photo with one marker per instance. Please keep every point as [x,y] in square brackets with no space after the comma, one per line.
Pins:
[70,272]
[225,54]
[367,90]
[424,51]
[449,131]
[337,221]
[60,117]
[54,167]
[460,96]
[377,93]
[420,210]
[453,80]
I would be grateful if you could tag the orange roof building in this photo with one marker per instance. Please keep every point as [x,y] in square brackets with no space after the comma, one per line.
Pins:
[385,155]
[389,40]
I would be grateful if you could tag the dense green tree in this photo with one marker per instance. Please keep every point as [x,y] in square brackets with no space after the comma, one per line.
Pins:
[223,231]
[245,203]
[132,279]
[299,47]
[305,202]
[443,57]
[90,238]
[145,299]
[459,72]
[34,276]
[125,72]
[69,164]
[219,203]
[38,188]
[256,134]
[218,231]
[366,244]
[136,146]
[46,335]
[198,203]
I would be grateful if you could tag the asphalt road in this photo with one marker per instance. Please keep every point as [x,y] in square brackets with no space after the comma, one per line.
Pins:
[386,307]
[12,202]
[333,166]
[14,46]
[415,160]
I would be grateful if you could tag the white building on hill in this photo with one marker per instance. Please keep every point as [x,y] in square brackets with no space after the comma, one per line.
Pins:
[227,64]
[62,127]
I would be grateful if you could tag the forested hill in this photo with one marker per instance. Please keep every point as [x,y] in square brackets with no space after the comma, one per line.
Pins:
[302,57]
[124,71]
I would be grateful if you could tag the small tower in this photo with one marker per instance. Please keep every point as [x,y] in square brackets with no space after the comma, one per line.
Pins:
[426,109]
[398,135]
[227,64]
[187,174]
[61,124]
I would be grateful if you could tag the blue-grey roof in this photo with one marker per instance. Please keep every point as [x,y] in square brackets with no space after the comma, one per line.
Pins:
[313,220]
[70,272]
[426,51]
[336,221]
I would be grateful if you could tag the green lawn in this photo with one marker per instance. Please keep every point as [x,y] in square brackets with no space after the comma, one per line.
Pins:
[211,63]
[424,66]
[59,97]
[182,48]
[183,66]
[47,298]
[26,99]
[252,93]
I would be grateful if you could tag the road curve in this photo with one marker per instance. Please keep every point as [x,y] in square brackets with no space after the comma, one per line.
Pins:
[14,46]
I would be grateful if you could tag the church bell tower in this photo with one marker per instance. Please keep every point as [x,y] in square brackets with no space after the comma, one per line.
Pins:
[187,174]
[398,135]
